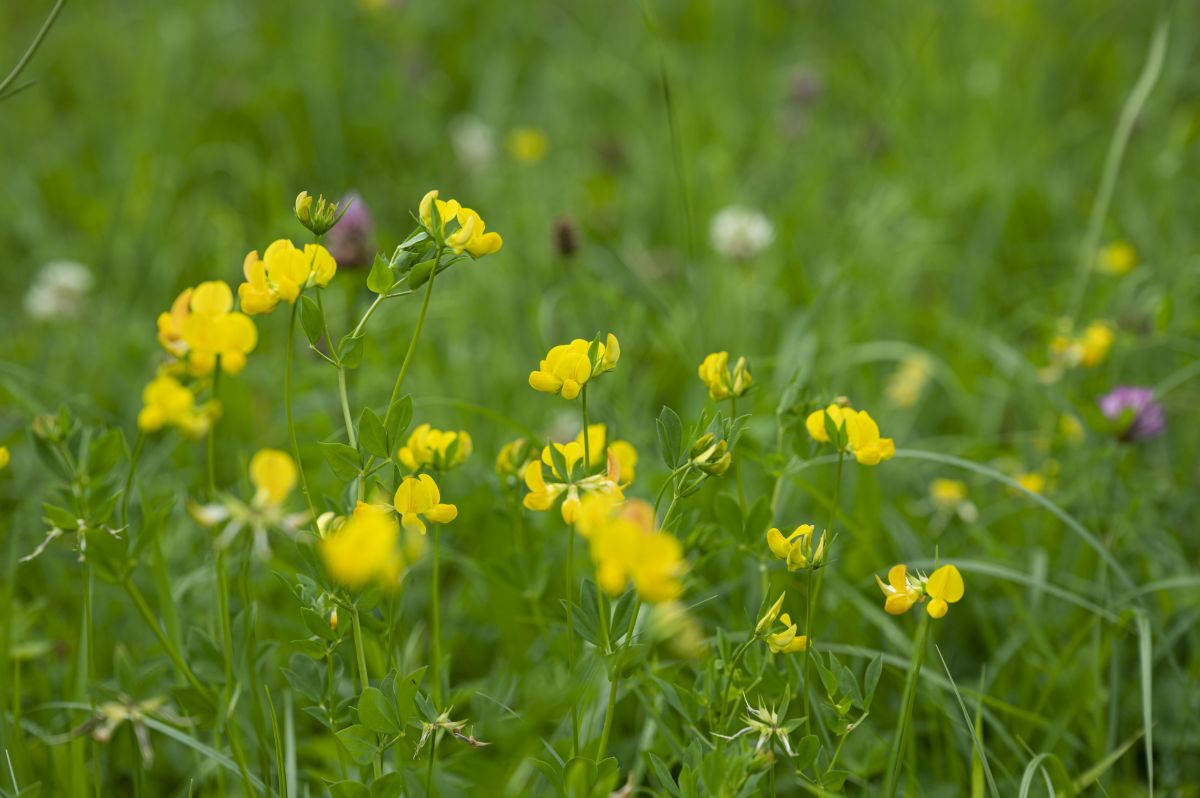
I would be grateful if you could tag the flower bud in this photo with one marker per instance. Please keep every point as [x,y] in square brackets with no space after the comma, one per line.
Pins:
[719,466]
[702,443]
[303,207]
[741,377]
[768,618]
[317,215]
[333,619]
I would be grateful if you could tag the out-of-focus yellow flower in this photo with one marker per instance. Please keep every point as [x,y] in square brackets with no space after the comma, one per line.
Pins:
[202,325]
[168,402]
[528,144]
[471,234]
[671,622]
[1117,258]
[5,457]
[1088,349]
[363,549]
[787,641]
[419,497]
[907,383]
[543,494]
[513,457]
[941,588]
[627,547]
[714,373]
[567,367]
[1070,428]
[1031,481]
[282,273]
[862,433]
[797,548]
[273,474]
[947,493]
[434,448]
[600,450]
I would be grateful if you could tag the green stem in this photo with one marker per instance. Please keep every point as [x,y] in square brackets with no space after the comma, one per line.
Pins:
[569,575]
[587,449]
[212,434]
[235,742]
[412,344]
[134,457]
[287,408]
[436,617]
[614,684]
[350,436]
[172,652]
[363,678]
[737,657]
[737,464]
[429,766]
[900,738]
[814,589]
[31,49]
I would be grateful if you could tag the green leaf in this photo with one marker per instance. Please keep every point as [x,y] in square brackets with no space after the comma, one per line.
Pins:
[348,789]
[729,514]
[350,351]
[61,518]
[664,775]
[372,438]
[342,459]
[105,452]
[389,785]
[806,752]
[622,615]
[312,320]
[317,624]
[378,712]
[398,418]
[421,273]
[871,680]
[359,741]
[380,279]
[670,435]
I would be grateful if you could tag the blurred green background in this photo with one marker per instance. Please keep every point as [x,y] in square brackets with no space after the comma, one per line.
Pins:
[929,169]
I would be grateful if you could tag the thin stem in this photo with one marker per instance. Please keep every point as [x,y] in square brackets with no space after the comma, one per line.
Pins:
[429,766]
[436,617]
[350,436]
[231,729]
[737,464]
[172,652]
[737,657]
[287,407]
[212,434]
[614,684]
[906,707]
[32,48]
[814,588]
[134,457]
[363,678]
[587,450]
[569,575]
[412,344]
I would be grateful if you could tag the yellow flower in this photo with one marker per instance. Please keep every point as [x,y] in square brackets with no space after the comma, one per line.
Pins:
[787,641]
[900,592]
[862,433]
[433,448]
[362,549]
[5,457]
[627,548]
[543,495]
[947,493]
[513,457]
[600,450]
[568,367]
[714,373]
[273,474]
[768,618]
[202,325]
[1071,428]
[797,548]
[907,383]
[168,402]
[170,324]
[419,496]
[471,235]
[528,144]
[1095,343]
[1117,258]
[282,273]
[1031,481]
[941,589]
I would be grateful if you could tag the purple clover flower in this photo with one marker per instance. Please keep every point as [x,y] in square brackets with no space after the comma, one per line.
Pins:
[1135,409]
[351,240]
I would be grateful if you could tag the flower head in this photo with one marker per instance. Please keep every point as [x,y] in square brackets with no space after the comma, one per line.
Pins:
[1134,411]
[5,457]
[469,233]
[797,548]
[857,432]
[319,214]
[599,448]
[513,457]
[949,497]
[786,641]
[1117,258]
[202,326]
[766,724]
[168,402]
[902,591]
[433,448]
[282,273]
[714,373]
[568,367]
[363,548]
[418,498]
[273,474]
[1088,349]
[58,291]
[528,144]
[627,548]
[907,383]
[740,233]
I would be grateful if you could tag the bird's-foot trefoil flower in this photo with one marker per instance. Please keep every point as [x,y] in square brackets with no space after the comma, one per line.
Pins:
[627,548]
[766,724]
[797,548]
[458,227]
[902,590]
[418,499]
[721,383]
[852,431]
[560,473]
[273,474]
[567,367]
[202,326]
[283,272]
[434,448]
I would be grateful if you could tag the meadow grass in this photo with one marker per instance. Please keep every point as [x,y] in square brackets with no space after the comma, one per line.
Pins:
[940,183]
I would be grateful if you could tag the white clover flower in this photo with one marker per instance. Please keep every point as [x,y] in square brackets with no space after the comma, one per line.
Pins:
[473,141]
[740,233]
[58,291]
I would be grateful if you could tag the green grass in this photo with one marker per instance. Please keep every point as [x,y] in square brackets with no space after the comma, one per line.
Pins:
[941,195]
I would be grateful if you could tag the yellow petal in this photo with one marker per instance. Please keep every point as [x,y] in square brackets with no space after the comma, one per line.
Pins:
[442,513]
[937,608]
[778,543]
[945,583]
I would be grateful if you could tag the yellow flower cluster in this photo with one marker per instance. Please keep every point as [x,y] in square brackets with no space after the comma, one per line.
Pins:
[364,548]
[1117,258]
[797,548]
[787,641]
[1088,349]
[543,494]
[514,456]
[434,448]
[941,589]
[168,402]
[907,383]
[568,367]
[202,326]
[470,235]
[273,474]
[627,548]
[714,373]
[282,273]
[862,433]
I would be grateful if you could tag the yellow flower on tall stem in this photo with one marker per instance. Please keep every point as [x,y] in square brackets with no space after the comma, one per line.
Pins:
[567,367]
[418,499]
[903,591]
[714,373]
[434,448]
[859,433]
[202,326]
[282,273]
[574,484]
